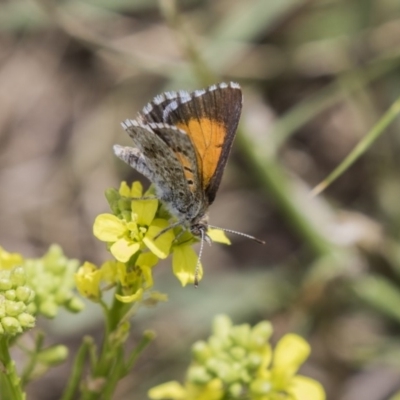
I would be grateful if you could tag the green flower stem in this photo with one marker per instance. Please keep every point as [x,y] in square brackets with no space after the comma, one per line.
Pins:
[115,374]
[110,362]
[117,313]
[29,368]
[77,370]
[122,369]
[147,338]
[361,147]
[11,382]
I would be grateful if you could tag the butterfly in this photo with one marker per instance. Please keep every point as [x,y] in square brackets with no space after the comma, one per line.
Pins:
[182,141]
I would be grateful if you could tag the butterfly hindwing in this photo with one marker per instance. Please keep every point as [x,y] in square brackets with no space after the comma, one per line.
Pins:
[157,162]
[182,147]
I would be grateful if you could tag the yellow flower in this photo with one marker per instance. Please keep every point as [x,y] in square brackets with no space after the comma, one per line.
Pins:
[134,229]
[87,280]
[290,352]
[132,280]
[9,260]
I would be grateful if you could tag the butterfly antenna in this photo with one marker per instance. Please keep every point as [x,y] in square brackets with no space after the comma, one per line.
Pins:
[238,233]
[196,271]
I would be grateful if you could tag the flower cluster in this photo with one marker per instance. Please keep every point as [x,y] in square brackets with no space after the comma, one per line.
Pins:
[52,279]
[15,296]
[35,286]
[137,236]
[237,362]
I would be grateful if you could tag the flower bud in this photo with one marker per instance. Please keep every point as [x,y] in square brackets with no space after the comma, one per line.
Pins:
[48,308]
[222,326]
[75,305]
[235,390]
[253,360]
[238,353]
[198,375]
[53,355]
[260,334]
[18,276]
[11,325]
[5,283]
[201,351]
[10,294]
[14,308]
[23,293]
[217,344]
[26,320]
[241,334]
[112,197]
[260,387]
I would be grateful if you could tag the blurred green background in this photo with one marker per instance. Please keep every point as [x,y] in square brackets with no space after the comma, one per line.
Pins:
[316,76]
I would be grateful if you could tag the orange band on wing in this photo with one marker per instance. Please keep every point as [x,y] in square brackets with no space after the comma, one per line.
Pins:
[187,169]
[208,138]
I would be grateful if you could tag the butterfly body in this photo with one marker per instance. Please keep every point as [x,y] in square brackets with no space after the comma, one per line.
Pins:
[182,143]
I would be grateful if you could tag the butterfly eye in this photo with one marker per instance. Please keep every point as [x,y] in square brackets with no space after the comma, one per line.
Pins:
[190,182]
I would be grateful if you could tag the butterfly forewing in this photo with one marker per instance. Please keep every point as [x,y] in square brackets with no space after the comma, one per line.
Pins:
[210,118]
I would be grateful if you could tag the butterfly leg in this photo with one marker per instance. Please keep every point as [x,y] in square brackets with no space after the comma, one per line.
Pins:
[177,237]
[174,225]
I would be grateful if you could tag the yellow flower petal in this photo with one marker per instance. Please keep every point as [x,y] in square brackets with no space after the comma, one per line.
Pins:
[123,249]
[214,390]
[290,352]
[136,190]
[124,190]
[109,271]
[162,245]
[9,260]
[169,390]
[130,298]
[148,276]
[218,235]
[303,388]
[147,259]
[122,276]
[87,280]
[184,262]
[108,228]
[145,211]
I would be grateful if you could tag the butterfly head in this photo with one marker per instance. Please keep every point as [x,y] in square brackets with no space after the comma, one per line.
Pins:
[199,228]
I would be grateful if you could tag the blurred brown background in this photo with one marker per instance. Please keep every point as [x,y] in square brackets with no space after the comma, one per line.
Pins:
[316,76]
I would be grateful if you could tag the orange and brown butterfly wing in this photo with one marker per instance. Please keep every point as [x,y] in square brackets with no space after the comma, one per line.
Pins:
[210,118]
